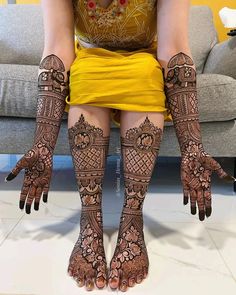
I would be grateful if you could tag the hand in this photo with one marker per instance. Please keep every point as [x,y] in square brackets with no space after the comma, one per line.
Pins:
[196,169]
[38,163]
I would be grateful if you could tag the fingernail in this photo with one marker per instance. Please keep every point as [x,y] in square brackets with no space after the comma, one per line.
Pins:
[21,204]
[27,209]
[202,215]
[193,210]
[36,206]
[185,200]
[45,198]
[208,212]
[10,177]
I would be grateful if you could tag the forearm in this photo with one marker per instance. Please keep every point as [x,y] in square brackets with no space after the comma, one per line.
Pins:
[53,73]
[181,95]
[53,88]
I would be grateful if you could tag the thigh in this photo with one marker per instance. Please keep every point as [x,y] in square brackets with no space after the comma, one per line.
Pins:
[99,117]
[135,119]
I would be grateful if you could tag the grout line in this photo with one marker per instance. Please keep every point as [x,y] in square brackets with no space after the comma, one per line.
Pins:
[11,230]
[222,257]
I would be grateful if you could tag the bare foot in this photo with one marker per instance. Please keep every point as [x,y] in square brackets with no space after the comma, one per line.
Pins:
[87,263]
[129,264]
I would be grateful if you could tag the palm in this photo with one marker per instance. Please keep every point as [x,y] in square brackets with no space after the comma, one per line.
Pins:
[37,163]
[196,169]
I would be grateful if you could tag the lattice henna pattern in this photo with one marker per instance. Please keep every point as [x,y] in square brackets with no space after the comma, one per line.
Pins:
[140,148]
[89,149]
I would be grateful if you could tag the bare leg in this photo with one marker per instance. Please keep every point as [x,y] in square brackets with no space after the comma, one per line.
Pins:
[89,130]
[141,135]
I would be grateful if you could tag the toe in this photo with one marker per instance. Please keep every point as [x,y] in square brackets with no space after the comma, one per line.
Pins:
[114,279]
[70,268]
[89,284]
[100,282]
[145,272]
[123,284]
[131,281]
[139,278]
[80,281]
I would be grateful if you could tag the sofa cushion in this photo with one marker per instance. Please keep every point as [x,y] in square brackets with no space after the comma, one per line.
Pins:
[22,43]
[21,34]
[18,90]
[202,35]
[18,94]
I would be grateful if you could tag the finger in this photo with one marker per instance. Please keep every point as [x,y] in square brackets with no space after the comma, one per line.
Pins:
[201,205]
[23,196]
[45,193]
[15,171]
[24,191]
[37,198]
[216,167]
[186,196]
[207,199]
[31,196]
[193,200]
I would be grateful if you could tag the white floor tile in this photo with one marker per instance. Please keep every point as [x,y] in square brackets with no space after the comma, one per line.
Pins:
[186,256]
[224,237]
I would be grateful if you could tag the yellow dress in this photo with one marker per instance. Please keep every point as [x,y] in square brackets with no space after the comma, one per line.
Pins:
[122,71]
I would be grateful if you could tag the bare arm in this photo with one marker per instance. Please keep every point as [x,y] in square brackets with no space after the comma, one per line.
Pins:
[53,87]
[180,87]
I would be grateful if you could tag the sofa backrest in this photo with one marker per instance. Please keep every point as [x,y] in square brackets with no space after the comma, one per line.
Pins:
[21,34]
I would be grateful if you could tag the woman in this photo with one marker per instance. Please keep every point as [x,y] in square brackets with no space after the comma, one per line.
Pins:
[118,73]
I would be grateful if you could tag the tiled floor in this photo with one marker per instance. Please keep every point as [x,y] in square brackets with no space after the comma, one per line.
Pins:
[186,256]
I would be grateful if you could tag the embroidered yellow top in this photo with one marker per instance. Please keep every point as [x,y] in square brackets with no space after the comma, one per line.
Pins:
[124,24]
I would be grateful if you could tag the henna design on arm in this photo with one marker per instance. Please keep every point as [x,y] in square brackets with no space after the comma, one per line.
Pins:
[53,88]
[196,165]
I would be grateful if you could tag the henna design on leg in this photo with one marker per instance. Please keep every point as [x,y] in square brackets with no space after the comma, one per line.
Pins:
[140,147]
[89,149]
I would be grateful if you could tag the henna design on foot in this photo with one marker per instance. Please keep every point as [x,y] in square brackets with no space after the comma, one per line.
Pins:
[196,164]
[130,263]
[89,149]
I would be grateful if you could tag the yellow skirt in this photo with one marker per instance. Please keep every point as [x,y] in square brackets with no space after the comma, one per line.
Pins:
[120,80]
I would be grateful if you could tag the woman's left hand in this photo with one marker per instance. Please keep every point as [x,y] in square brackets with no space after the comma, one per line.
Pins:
[196,169]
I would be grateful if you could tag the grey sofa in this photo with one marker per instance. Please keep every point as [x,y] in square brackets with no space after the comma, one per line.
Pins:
[21,46]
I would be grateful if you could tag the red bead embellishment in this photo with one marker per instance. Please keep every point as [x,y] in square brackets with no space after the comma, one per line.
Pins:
[91,4]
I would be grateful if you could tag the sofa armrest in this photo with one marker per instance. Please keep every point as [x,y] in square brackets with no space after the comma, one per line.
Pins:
[222,59]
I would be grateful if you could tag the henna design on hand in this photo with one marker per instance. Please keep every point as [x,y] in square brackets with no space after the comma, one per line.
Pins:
[196,164]
[89,150]
[53,88]
[140,148]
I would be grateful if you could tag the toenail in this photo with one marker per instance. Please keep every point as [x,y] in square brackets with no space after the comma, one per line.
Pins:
[139,279]
[70,273]
[131,282]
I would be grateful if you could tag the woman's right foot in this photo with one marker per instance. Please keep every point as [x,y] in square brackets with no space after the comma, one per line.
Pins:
[87,263]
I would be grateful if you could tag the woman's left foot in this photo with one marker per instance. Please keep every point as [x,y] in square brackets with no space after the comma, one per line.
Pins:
[129,264]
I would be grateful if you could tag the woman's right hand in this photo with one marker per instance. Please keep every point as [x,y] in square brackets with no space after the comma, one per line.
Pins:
[38,163]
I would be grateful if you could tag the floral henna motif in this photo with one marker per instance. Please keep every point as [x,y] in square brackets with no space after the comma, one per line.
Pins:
[88,256]
[140,148]
[89,150]
[53,88]
[196,165]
